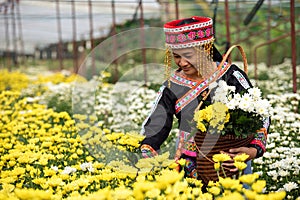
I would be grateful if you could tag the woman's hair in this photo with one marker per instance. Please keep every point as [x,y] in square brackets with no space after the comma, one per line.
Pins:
[186,21]
[217,57]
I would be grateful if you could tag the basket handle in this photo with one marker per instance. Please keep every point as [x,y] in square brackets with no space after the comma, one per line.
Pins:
[242,52]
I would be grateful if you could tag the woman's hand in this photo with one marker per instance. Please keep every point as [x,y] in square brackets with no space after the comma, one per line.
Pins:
[251,151]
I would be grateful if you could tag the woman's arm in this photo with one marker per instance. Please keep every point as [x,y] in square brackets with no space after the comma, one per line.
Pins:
[158,124]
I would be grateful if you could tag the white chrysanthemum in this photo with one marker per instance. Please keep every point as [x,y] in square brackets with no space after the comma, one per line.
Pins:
[222,84]
[220,97]
[55,168]
[258,161]
[247,103]
[273,174]
[283,173]
[213,85]
[281,149]
[262,107]
[290,186]
[233,104]
[68,170]
[232,88]
[255,93]
[87,166]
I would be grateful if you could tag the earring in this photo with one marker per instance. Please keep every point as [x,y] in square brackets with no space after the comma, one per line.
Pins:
[167,63]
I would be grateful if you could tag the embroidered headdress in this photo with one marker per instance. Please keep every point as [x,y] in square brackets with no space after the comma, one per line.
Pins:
[197,32]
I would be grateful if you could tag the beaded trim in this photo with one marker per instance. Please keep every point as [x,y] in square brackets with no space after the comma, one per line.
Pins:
[201,34]
[182,81]
[190,44]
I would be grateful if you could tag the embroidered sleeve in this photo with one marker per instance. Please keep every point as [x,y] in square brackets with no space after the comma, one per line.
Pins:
[260,139]
[148,151]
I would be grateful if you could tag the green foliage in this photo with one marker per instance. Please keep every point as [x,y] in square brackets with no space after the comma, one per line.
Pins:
[59,105]
[239,119]
[263,75]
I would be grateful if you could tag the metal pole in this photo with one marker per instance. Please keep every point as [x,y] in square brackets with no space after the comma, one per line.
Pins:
[293,44]
[92,37]
[237,16]
[75,51]
[14,33]
[269,35]
[266,43]
[143,41]
[115,61]
[228,42]
[20,31]
[59,52]
[167,10]
[7,52]
[177,9]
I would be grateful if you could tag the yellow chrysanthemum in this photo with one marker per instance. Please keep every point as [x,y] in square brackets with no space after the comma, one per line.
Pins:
[173,165]
[248,178]
[32,194]
[221,157]
[201,126]
[168,177]
[231,196]
[181,161]
[277,195]
[214,190]
[217,166]
[227,118]
[241,157]
[240,165]
[229,183]
[258,186]
[250,194]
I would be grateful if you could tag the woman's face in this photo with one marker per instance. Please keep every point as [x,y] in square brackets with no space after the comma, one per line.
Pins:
[186,59]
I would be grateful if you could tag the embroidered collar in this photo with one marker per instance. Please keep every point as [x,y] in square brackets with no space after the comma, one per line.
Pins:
[197,88]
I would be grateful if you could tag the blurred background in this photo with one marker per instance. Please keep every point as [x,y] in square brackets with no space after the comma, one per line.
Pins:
[61,34]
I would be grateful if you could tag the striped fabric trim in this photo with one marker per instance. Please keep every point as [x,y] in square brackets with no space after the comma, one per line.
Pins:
[189,147]
[191,44]
[182,81]
[196,90]
[148,151]
[241,79]
[259,143]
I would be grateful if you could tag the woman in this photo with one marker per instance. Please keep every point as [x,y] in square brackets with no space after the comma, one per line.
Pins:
[190,42]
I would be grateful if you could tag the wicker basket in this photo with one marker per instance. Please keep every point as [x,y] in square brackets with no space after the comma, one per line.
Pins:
[209,145]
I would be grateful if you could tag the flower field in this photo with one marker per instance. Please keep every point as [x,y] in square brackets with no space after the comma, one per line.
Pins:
[64,137]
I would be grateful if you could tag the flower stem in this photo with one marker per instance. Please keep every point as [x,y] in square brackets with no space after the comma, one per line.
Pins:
[223,170]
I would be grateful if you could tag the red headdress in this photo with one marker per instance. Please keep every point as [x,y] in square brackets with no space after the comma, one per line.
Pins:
[198,32]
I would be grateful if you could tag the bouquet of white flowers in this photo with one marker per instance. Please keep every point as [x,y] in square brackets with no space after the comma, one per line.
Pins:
[233,113]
